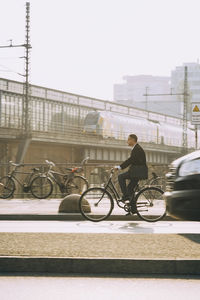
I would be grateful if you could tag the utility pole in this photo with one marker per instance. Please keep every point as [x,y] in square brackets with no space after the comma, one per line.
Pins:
[196,137]
[146,99]
[26,130]
[185,94]
[27,47]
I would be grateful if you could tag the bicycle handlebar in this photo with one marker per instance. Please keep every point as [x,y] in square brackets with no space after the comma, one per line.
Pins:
[15,165]
[50,163]
[84,161]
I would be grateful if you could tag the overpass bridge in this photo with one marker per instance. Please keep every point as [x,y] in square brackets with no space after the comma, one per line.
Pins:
[55,128]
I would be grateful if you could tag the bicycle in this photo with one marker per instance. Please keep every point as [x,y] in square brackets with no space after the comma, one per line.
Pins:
[155,180]
[42,186]
[97,203]
[9,181]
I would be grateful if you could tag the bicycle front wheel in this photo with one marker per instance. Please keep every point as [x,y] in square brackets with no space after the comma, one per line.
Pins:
[8,187]
[41,187]
[76,185]
[96,204]
[150,204]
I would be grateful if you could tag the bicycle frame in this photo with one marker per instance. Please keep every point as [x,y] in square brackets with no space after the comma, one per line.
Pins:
[11,180]
[111,189]
[13,176]
[67,177]
[50,174]
[26,183]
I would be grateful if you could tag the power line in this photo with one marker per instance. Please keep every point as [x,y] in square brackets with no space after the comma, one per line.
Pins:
[6,69]
[9,57]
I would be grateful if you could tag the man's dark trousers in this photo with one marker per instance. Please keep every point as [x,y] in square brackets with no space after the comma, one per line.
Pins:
[127,190]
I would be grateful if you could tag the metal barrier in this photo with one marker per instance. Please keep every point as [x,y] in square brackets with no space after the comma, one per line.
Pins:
[96,174]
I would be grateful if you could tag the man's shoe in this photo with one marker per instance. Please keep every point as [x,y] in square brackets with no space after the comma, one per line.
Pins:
[124,199]
[133,210]
[130,213]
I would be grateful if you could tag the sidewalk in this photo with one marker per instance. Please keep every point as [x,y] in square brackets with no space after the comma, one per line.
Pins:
[90,253]
[100,253]
[47,209]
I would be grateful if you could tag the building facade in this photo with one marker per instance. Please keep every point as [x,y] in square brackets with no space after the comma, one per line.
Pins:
[147,92]
[193,84]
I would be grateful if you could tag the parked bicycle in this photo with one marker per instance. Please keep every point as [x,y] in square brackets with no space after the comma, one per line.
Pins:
[96,204]
[69,183]
[9,181]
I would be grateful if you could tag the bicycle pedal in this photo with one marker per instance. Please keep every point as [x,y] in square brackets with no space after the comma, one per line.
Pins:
[127,208]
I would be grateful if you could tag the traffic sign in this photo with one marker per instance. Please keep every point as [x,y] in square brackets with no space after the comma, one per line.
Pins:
[195,113]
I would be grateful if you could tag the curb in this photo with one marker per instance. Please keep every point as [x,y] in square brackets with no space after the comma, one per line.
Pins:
[70,217]
[99,265]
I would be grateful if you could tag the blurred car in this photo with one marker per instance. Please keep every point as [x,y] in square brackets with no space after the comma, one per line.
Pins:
[183,187]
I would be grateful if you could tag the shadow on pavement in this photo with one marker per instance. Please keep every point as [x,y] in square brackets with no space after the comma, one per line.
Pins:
[193,237]
[136,227]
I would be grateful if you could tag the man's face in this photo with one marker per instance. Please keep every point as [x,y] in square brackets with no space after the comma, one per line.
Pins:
[131,142]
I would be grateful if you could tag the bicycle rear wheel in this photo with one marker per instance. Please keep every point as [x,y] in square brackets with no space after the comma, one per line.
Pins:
[76,185]
[41,187]
[150,204]
[96,204]
[159,182]
[8,187]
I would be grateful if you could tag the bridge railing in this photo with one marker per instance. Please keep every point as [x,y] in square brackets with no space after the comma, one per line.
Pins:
[48,94]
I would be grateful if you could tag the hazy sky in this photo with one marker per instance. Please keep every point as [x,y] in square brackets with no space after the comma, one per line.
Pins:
[85,46]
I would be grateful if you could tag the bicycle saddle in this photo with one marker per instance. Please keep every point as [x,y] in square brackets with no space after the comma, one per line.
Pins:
[77,170]
[35,169]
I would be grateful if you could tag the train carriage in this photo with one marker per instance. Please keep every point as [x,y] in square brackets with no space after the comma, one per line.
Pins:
[115,125]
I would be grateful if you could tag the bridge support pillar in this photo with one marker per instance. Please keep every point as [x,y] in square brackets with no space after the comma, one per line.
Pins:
[22,148]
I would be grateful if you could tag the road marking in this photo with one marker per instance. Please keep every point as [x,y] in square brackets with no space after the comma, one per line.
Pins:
[136,227]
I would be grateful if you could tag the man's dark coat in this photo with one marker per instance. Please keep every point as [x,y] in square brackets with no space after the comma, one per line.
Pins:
[136,163]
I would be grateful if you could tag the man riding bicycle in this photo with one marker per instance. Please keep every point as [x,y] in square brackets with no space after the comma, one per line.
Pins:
[137,170]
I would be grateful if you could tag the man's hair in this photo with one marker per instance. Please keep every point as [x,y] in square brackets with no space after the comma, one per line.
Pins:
[133,136]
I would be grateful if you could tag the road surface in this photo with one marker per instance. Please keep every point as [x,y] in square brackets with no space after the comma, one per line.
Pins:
[86,287]
[135,227]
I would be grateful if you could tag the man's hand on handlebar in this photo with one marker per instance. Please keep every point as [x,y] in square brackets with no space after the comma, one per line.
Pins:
[116,168]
